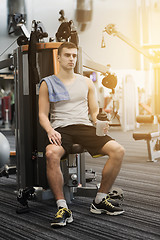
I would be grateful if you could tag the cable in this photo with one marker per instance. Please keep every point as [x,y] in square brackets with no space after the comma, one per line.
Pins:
[8,48]
[88,55]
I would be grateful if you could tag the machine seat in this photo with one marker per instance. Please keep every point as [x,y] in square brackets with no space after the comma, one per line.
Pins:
[76,148]
[145,136]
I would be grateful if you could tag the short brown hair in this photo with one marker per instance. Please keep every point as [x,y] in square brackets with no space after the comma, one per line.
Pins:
[66,45]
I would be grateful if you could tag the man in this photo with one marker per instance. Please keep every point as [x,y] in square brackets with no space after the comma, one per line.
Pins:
[68,97]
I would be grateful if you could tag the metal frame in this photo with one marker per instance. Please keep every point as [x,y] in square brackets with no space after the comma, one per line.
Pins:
[152,153]
[151,139]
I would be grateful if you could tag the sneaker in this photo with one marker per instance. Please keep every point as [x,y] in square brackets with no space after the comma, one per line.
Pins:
[105,207]
[114,202]
[62,217]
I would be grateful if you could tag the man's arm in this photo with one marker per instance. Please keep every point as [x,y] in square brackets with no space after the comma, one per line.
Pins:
[93,104]
[44,107]
[92,100]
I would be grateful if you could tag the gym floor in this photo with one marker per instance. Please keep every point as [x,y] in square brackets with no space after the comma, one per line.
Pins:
[139,179]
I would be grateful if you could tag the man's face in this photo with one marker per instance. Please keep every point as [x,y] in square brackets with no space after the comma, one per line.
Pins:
[68,58]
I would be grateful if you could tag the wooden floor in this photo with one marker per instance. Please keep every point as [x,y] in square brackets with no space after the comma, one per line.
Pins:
[139,179]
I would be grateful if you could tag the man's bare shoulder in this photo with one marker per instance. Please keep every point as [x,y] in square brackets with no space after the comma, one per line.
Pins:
[89,83]
[43,85]
[43,90]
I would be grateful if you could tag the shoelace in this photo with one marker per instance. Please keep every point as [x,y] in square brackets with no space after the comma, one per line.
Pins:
[108,203]
[109,198]
[61,211]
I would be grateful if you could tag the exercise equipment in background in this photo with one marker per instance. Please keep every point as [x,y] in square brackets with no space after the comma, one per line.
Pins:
[151,137]
[153,58]
[7,158]
[129,103]
[4,150]
[83,14]
[66,31]
[16,15]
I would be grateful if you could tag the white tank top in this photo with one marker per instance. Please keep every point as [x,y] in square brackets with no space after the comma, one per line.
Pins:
[75,110]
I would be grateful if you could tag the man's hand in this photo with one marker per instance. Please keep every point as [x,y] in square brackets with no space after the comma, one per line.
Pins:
[54,137]
[103,127]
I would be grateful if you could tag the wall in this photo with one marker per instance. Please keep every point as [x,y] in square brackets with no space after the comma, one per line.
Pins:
[122,13]
[117,53]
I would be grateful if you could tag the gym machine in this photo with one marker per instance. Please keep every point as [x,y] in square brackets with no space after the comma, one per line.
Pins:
[33,62]
[152,138]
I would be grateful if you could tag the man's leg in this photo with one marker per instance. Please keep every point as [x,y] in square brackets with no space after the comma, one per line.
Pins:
[54,174]
[102,204]
[56,182]
[112,167]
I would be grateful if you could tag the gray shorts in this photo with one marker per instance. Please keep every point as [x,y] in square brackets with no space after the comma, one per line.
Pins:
[83,135]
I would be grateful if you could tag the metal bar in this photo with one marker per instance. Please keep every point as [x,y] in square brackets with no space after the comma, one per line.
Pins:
[133,45]
[82,169]
[110,29]
[6,63]
[95,66]
[155,134]
[24,30]
[149,150]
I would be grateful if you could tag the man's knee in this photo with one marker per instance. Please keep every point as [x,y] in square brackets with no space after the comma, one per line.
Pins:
[118,152]
[114,150]
[54,153]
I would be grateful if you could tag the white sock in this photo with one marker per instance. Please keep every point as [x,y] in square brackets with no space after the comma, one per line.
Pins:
[61,203]
[99,197]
